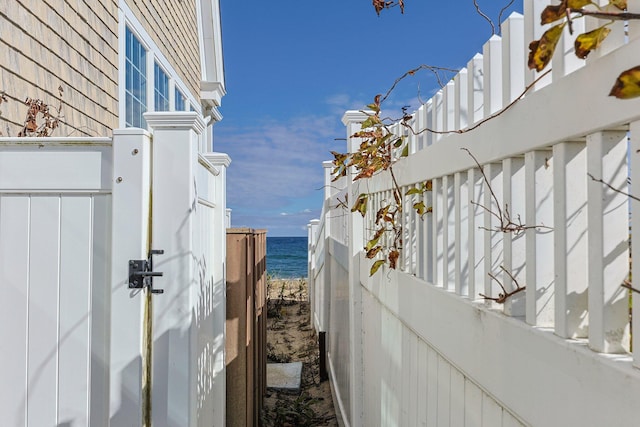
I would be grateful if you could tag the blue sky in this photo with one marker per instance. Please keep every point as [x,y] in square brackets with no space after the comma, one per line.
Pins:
[294,67]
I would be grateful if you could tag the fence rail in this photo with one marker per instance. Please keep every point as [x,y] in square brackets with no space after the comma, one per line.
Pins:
[556,165]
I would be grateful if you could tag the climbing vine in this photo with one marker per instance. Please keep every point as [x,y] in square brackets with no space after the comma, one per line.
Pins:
[381,148]
[627,84]
[41,119]
[541,51]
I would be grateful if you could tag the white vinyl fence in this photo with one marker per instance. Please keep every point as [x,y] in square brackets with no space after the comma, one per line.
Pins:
[73,213]
[418,345]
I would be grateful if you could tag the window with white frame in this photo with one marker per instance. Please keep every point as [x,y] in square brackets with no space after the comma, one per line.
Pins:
[136,81]
[180,100]
[150,81]
[160,89]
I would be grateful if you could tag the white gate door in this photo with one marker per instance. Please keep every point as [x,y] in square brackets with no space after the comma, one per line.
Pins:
[55,205]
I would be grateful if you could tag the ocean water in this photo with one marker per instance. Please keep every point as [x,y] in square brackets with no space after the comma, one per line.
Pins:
[287,257]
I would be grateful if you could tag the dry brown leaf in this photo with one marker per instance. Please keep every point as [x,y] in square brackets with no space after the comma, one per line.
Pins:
[627,84]
[587,42]
[541,51]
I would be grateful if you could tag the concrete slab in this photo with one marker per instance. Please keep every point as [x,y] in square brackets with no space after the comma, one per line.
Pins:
[284,376]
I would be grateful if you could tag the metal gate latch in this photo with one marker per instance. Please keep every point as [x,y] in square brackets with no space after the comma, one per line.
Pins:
[141,272]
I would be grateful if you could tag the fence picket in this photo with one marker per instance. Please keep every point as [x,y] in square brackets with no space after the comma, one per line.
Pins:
[451,232]
[461,250]
[565,60]
[634,149]
[428,121]
[608,216]
[438,233]
[570,239]
[634,25]
[616,37]
[539,240]
[513,58]
[428,241]
[514,242]
[461,100]
[449,101]
[533,31]
[475,94]
[492,68]
[493,252]
[476,234]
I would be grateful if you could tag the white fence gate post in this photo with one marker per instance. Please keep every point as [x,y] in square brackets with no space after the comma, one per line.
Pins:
[130,234]
[176,195]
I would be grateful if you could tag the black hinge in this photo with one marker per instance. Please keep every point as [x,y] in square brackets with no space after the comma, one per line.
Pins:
[141,272]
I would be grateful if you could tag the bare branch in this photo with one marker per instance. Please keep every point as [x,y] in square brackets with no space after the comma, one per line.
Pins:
[433,69]
[486,119]
[504,9]
[504,295]
[486,180]
[631,196]
[627,284]
[481,13]
[614,16]
[506,223]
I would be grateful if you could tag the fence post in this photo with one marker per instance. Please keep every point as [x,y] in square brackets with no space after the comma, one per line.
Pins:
[176,138]
[130,234]
[352,121]
[221,221]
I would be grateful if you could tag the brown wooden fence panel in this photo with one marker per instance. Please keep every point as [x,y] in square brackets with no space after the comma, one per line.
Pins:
[246,326]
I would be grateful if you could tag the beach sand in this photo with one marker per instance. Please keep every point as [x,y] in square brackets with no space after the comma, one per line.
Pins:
[291,338]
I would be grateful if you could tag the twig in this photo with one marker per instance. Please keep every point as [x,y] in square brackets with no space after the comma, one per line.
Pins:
[569,20]
[486,119]
[613,188]
[434,70]
[481,13]
[506,223]
[341,204]
[616,16]
[627,284]
[504,9]
[486,180]
[504,295]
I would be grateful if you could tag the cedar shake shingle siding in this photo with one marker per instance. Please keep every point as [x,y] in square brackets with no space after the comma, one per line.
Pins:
[173,26]
[49,43]
[74,43]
